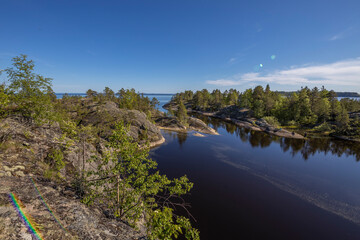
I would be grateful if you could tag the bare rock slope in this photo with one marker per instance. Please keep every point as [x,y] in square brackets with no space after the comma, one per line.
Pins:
[54,213]
[25,162]
[107,114]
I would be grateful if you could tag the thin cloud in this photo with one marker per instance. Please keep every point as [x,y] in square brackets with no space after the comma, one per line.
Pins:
[336,37]
[232,60]
[341,35]
[345,72]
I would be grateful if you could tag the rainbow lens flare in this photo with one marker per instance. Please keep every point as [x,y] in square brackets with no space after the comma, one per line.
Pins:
[47,206]
[26,219]
[273,57]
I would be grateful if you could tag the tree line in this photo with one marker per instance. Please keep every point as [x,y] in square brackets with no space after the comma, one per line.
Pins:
[126,98]
[306,107]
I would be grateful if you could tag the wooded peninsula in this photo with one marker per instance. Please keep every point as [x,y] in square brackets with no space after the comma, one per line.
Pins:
[307,111]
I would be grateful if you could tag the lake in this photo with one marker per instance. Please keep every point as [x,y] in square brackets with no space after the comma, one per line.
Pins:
[250,185]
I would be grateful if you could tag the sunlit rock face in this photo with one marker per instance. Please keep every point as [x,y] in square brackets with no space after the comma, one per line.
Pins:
[53,212]
[106,115]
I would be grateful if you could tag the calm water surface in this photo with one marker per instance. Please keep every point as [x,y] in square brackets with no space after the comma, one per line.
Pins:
[249,185]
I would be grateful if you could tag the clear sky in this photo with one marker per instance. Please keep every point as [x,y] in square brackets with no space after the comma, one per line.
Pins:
[169,46]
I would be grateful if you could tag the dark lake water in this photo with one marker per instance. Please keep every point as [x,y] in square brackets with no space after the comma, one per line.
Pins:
[249,185]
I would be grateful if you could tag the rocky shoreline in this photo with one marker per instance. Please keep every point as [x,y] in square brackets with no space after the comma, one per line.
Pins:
[193,124]
[259,125]
[243,118]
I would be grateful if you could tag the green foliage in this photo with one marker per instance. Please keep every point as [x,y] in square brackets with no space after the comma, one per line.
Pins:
[292,123]
[245,99]
[4,100]
[56,157]
[217,100]
[129,99]
[27,134]
[30,92]
[181,113]
[55,161]
[202,100]
[170,112]
[69,129]
[154,102]
[127,182]
[272,121]
[324,127]
[90,93]
[231,97]
[108,94]
[342,120]
[164,227]
[304,108]
[351,105]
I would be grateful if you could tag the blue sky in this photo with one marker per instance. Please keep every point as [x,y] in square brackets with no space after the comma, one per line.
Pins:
[169,46]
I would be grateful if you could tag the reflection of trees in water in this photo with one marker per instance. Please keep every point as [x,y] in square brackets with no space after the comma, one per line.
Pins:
[243,134]
[259,139]
[309,147]
[294,145]
[181,138]
[171,134]
[312,146]
[306,148]
[230,128]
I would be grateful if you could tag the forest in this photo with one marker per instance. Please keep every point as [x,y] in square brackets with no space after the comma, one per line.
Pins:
[315,108]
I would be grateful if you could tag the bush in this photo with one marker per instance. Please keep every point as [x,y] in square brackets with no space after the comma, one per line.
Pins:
[272,121]
[292,123]
[56,158]
[127,180]
[323,127]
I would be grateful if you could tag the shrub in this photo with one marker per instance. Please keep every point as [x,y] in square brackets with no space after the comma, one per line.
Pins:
[128,182]
[292,123]
[323,127]
[272,121]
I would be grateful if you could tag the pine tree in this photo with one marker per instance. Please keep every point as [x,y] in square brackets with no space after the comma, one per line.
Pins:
[181,113]
[342,120]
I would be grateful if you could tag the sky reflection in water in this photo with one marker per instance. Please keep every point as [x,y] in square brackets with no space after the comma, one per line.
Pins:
[323,172]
